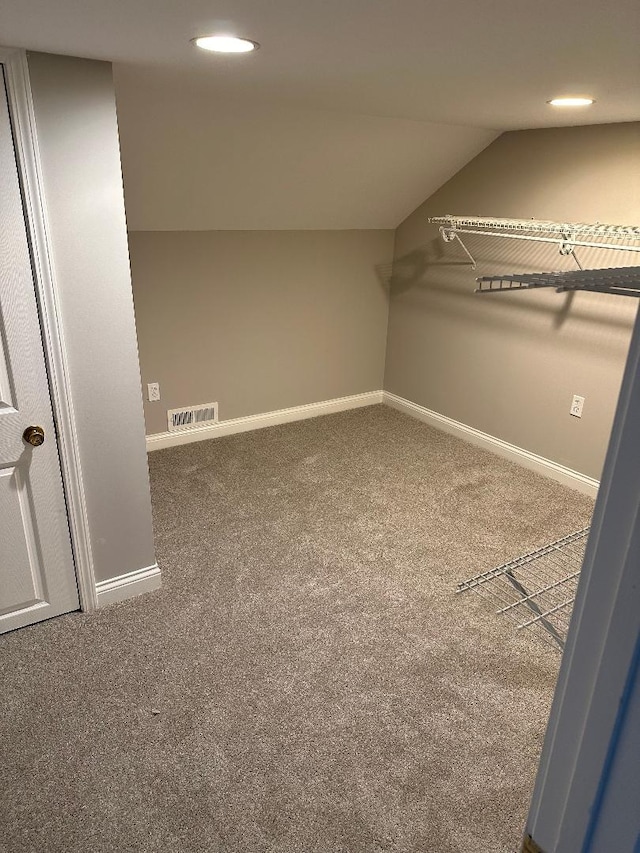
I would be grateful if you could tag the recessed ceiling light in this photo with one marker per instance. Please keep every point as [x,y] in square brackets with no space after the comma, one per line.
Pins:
[571,102]
[225,44]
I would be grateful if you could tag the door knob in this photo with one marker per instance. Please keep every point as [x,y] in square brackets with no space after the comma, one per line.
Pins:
[34,435]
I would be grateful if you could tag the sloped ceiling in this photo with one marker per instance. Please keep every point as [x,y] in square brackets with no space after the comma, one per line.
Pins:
[350,113]
[192,162]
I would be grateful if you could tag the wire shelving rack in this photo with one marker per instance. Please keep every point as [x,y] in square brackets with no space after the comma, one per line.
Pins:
[537,589]
[567,236]
[621,281]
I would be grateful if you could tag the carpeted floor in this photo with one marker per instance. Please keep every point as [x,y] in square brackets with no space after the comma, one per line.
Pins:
[306,680]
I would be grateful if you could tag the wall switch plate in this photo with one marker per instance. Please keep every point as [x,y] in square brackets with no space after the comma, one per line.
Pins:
[576,406]
[153,391]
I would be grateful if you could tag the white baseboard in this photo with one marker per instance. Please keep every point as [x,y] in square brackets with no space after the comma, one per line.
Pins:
[267,419]
[546,467]
[128,585]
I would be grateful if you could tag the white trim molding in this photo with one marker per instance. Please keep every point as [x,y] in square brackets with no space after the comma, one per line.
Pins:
[546,467]
[28,157]
[128,585]
[280,416]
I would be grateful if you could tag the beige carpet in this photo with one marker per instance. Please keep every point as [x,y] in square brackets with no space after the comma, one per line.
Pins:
[306,680]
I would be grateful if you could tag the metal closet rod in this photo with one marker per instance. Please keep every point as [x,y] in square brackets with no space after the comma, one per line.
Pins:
[538,230]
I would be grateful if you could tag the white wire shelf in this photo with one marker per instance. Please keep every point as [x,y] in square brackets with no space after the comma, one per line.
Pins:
[566,235]
[539,226]
[537,590]
[621,281]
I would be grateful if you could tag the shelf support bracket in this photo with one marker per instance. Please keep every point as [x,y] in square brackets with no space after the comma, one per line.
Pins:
[567,247]
[449,235]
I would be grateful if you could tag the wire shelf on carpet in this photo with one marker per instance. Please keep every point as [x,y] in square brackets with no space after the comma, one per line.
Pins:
[537,590]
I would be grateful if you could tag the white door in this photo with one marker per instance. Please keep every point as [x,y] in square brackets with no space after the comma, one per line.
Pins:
[37,577]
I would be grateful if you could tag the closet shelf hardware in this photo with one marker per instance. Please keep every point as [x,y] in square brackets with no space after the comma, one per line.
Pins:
[622,281]
[449,236]
[566,235]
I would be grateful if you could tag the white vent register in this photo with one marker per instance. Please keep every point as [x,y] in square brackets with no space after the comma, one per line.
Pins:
[192,417]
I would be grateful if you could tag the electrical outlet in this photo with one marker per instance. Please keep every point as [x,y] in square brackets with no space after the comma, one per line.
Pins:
[576,406]
[153,391]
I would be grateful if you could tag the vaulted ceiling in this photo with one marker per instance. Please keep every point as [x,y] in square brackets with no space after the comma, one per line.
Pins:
[352,111]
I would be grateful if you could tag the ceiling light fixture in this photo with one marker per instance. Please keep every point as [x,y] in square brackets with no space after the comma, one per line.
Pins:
[571,102]
[225,44]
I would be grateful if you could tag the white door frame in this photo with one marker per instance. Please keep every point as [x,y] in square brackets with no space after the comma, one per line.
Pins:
[29,166]
[600,663]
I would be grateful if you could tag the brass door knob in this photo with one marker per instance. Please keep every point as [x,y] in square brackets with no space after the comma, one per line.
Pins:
[34,435]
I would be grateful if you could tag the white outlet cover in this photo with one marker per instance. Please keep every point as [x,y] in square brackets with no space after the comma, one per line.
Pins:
[153,391]
[577,405]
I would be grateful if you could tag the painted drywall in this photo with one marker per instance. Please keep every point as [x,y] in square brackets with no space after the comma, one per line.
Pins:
[77,137]
[510,364]
[194,160]
[259,321]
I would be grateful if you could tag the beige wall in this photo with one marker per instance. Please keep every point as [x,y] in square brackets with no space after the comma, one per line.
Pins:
[260,320]
[77,136]
[509,364]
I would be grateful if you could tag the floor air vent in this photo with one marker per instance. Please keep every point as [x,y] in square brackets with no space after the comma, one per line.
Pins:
[194,416]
